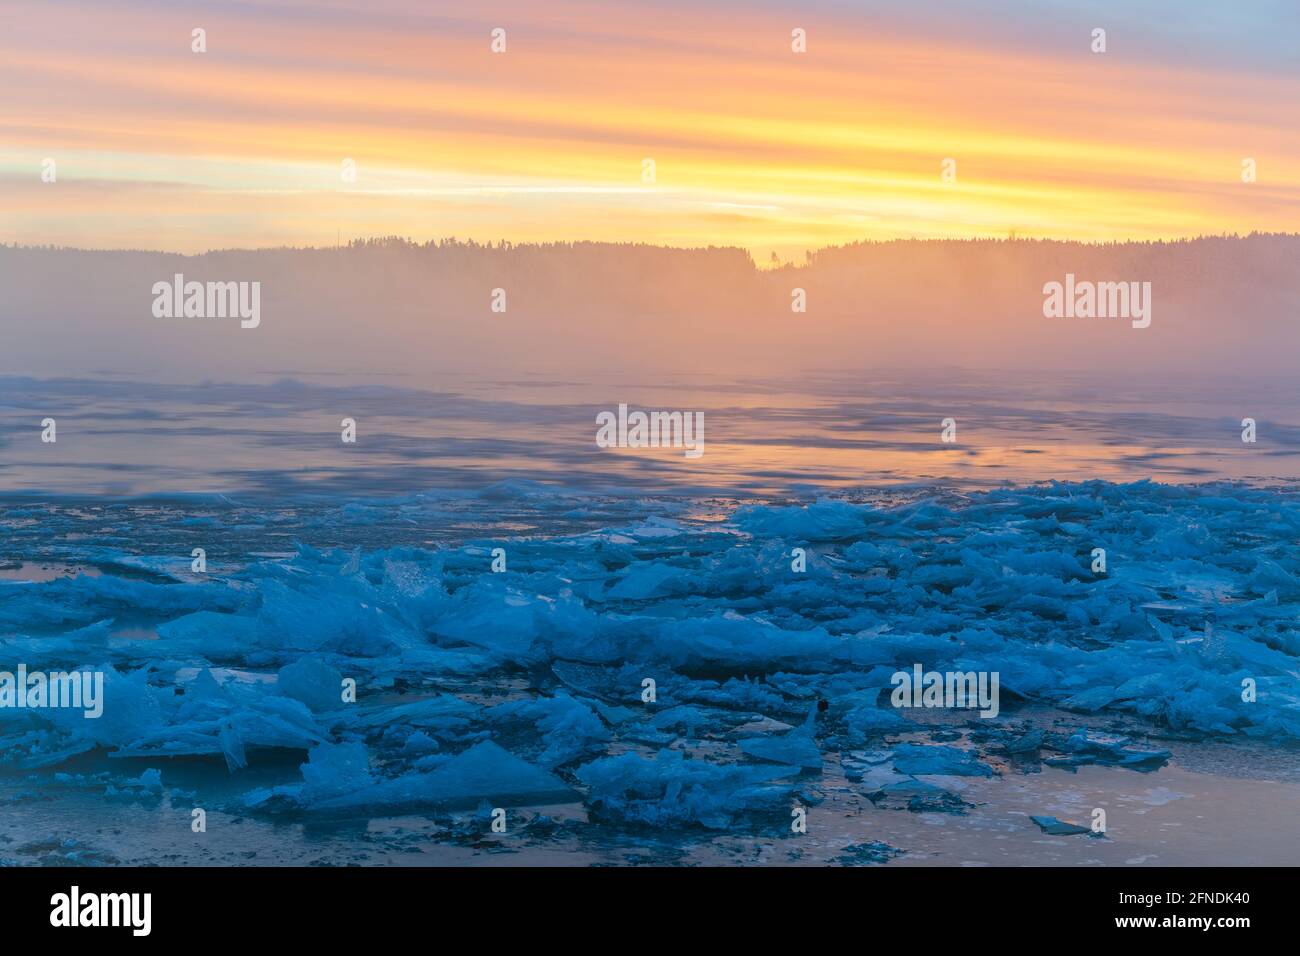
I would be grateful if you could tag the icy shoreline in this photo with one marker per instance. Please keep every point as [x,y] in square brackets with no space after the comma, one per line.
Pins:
[479,689]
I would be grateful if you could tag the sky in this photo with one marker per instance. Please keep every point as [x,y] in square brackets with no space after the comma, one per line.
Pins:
[159,147]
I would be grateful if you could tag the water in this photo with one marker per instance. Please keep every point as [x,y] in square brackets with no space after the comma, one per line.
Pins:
[279,440]
[374,558]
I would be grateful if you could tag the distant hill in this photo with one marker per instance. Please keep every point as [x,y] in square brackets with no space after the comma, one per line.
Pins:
[1220,305]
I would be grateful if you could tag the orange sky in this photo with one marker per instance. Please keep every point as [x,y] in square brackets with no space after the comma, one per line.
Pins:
[753,145]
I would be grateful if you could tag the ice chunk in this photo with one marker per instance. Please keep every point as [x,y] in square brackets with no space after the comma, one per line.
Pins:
[646,579]
[210,634]
[567,727]
[795,749]
[336,770]
[312,681]
[685,718]
[149,781]
[760,727]
[863,854]
[671,790]
[1081,749]
[938,759]
[232,746]
[826,520]
[484,772]
[419,743]
[872,720]
[1055,827]
[1027,743]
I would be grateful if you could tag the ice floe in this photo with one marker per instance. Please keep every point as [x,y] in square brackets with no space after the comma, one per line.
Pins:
[529,684]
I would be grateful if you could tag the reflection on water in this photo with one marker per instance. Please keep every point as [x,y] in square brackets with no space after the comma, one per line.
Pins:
[282,438]
[40,571]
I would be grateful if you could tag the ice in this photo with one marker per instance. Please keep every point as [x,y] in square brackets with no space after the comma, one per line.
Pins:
[232,746]
[735,693]
[149,783]
[1055,827]
[671,790]
[477,685]
[312,681]
[939,760]
[827,520]
[419,743]
[685,719]
[647,579]
[763,725]
[1028,743]
[863,854]
[569,728]
[485,771]
[335,771]
[796,748]
[209,634]
[1081,749]
[872,721]
[339,778]
[135,712]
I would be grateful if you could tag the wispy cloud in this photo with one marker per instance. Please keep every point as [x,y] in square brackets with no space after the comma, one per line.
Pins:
[753,145]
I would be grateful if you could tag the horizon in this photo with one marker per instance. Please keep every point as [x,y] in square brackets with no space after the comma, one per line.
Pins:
[502,244]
